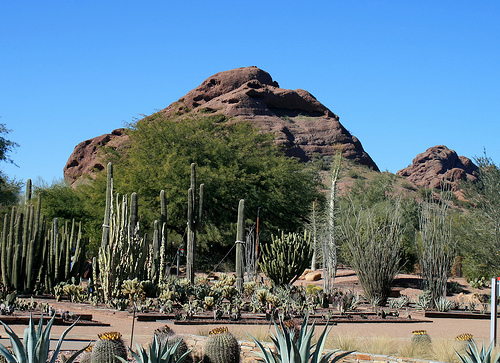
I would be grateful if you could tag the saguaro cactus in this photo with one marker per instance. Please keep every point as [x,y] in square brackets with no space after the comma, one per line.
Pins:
[194,222]
[240,235]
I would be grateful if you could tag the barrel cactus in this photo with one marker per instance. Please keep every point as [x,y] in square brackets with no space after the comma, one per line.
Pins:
[222,347]
[108,347]
[167,336]
[420,337]
[86,355]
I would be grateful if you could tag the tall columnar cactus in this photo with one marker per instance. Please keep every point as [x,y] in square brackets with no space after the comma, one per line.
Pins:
[222,347]
[108,209]
[194,217]
[124,252]
[108,347]
[240,235]
[286,258]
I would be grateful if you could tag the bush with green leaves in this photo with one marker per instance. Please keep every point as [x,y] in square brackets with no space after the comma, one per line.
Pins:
[158,352]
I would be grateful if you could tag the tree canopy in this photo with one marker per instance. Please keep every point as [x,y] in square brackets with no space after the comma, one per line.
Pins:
[233,159]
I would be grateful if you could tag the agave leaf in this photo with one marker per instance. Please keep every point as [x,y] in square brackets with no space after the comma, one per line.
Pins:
[5,352]
[76,354]
[265,355]
[15,342]
[61,339]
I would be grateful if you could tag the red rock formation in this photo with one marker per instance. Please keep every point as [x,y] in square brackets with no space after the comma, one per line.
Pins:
[86,158]
[439,166]
[301,123]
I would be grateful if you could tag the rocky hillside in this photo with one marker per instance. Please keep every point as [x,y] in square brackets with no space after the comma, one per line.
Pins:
[300,122]
[439,166]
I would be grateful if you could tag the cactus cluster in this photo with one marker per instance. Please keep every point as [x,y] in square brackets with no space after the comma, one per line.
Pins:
[222,347]
[286,258]
[33,251]
[124,253]
[109,346]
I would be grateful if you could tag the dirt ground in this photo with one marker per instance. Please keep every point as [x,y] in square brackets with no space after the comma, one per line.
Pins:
[79,336]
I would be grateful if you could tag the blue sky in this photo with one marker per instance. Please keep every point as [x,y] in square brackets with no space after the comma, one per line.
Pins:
[402,75]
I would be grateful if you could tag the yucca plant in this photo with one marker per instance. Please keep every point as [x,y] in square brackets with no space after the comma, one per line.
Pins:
[474,355]
[36,344]
[297,349]
[157,352]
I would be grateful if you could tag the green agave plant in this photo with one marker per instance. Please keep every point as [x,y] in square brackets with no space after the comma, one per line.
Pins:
[474,355]
[158,352]
[36,345]
[297,349]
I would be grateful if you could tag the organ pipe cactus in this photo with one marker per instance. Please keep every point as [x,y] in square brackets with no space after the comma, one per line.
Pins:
[286,258]
[31,251]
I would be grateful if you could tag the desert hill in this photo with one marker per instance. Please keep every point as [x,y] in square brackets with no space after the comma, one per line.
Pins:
[303,125]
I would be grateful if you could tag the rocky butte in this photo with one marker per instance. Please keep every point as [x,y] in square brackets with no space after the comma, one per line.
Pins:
[300,122]
[439,167]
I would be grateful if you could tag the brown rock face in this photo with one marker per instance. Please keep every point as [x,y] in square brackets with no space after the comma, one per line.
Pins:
[439,166]
[301,123]
[85,159]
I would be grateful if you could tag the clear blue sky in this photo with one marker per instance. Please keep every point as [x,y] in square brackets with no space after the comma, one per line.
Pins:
[402,75]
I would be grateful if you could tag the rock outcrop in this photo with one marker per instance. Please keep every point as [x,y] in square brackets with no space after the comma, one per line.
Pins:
[300,122]
[439,166]
[86,159]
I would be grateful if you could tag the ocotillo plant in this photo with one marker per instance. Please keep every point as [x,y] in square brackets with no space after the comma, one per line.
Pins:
[194,222]
[239,245]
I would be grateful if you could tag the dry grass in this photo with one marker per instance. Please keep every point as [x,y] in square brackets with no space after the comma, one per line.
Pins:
[441,350]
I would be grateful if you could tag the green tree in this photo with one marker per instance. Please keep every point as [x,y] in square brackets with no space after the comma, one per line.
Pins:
[234,160]
[9,189]
[481,227]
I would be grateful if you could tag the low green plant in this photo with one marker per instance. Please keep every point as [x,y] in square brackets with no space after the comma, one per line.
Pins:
[297,347]
[474,355]
[443,304]
[35,346]
[158,352]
